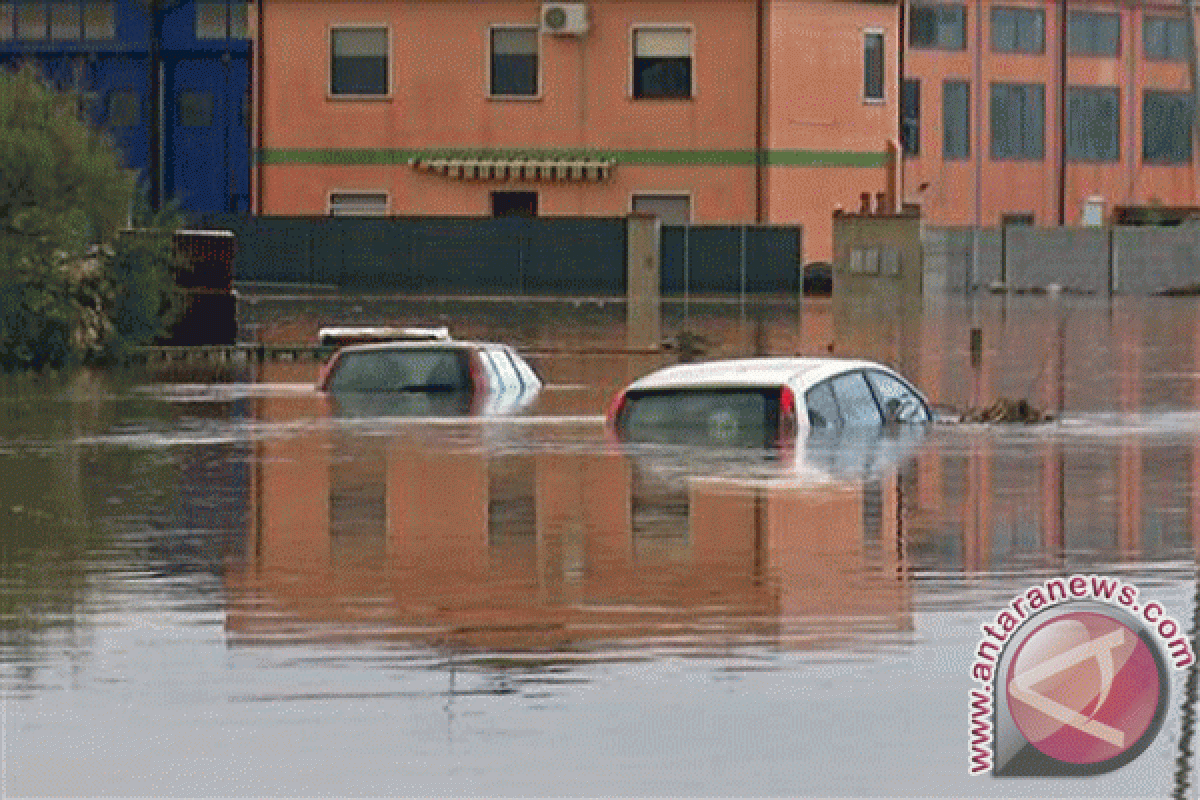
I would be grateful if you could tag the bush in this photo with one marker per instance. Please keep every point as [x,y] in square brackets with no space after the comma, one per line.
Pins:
[71,288]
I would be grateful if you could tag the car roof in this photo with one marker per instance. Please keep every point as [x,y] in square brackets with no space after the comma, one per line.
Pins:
[802,372]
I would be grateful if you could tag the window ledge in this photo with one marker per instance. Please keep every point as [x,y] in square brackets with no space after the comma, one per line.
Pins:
[358,98]
[514,98]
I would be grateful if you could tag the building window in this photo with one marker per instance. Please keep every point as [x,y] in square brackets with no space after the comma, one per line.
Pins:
[1093,124]
[64,21]
[60,21]
[359,61]
[514,63]
[221,19]
[514,204]
[358,204]
[1167,128]
[910,116]
[873,66]
[211,20]
[1020,219]
[1165,38]
[1018,30]
[662,63]
[938,27]
[124,110]
[8,21]
[671,209]
[1018,116]
[195,109]
[99,19]
[31,21]
[1092,33]
[239,20]
[956,120]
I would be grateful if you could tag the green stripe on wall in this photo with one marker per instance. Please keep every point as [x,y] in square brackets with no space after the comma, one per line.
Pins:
[657,158]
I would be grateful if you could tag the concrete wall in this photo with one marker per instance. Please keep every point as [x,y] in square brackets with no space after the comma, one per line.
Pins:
[878,287]
[1125,260]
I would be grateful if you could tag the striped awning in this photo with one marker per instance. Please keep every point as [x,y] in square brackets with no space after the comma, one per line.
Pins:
[517,169]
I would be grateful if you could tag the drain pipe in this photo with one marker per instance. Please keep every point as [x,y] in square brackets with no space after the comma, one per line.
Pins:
[259,105]
[1193,67]
[759,109]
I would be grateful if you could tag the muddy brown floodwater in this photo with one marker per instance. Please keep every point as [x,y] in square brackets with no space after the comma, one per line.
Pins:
[215,584]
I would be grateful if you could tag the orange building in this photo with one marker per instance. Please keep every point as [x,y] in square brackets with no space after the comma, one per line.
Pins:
[737,111]
[985,109]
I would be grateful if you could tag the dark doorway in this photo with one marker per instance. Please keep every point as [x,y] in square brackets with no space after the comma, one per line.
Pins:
[514,204]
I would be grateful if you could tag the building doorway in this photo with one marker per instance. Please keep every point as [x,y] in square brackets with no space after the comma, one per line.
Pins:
[514,204]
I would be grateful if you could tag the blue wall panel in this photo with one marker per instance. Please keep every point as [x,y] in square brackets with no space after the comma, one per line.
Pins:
[207,166]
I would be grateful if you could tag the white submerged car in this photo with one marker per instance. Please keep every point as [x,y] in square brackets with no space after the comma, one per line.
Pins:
[764,402]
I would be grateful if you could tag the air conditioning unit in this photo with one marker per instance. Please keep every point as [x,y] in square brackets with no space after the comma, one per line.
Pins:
[564,19]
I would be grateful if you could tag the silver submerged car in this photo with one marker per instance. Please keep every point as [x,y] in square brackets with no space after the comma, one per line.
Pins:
[433,377]
[764,402]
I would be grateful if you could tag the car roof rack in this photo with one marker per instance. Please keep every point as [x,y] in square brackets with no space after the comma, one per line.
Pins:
[341,336]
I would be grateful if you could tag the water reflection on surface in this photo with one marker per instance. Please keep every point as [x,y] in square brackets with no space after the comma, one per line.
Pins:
[221,585]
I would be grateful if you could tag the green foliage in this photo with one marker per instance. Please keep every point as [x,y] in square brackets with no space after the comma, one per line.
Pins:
[71,288]
[143,300]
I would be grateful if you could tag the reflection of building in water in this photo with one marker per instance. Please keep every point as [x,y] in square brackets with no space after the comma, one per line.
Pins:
[1117,481]
[412,537]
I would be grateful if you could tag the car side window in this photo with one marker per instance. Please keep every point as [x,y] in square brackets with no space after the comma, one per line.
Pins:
[528,376]
[855,400]
[508,377]
[822,407]
[899,403]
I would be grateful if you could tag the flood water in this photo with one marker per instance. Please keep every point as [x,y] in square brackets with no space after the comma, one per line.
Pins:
[216,585]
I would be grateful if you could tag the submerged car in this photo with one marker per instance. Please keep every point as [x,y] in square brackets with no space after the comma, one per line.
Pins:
[764,402]
[432,377]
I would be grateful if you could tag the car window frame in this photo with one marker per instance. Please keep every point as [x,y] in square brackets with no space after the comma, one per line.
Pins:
[912,390]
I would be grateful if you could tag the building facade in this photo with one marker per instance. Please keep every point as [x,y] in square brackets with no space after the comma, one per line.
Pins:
[169,80]
[995,131]
[739,111]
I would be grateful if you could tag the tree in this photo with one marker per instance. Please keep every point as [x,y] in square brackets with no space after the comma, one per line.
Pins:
[71,289]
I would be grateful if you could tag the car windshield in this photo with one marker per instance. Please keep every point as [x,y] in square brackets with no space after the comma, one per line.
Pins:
[401,370]
[742,418]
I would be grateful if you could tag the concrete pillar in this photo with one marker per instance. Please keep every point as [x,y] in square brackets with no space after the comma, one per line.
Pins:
[643,264]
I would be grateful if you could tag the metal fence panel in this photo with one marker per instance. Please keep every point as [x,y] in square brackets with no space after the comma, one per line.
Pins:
[1150,259]
[577,256]
[466,255]
[715,259]
[1075,258]
[570,256]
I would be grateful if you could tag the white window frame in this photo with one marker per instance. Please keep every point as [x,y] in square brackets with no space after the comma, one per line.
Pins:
[387,201]
[342,26]
[883,66]
[688,194]
[662,26]
[520,98]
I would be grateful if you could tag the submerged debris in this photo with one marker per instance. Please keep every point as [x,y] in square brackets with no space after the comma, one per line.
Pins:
[1006,410]
[688,345]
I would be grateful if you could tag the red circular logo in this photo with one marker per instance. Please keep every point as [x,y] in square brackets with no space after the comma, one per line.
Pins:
[1083,688]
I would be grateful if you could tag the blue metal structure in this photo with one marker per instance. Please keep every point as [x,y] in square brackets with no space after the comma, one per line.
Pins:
[169,80]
